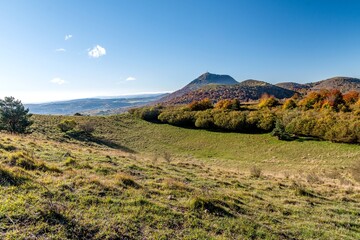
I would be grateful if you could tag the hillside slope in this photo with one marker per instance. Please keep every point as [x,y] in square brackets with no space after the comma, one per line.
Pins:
[344,84]
[93,106]
[136,180]
[244,91]
[297,87]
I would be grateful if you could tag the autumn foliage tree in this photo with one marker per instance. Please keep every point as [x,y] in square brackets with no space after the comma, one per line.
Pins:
[351,97]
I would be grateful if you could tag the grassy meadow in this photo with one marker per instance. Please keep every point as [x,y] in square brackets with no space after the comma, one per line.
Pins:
[132,179]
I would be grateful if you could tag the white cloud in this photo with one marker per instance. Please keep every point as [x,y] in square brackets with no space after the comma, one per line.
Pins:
[96,52]
[67,37]
[58,81]
[130,79]
[60,50]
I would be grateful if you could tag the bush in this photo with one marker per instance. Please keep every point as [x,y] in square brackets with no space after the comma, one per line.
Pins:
[204,119]
[327,125]
[231,104]
[280,132]
[310,101]
[231,121]
[87,128]
[289,104]
[351,97]
[178,118]
[150,114]
[200,105]
[268,101]
[266,121]
[67,125]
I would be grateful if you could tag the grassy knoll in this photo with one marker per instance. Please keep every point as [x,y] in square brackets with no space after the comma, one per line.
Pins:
[136,180]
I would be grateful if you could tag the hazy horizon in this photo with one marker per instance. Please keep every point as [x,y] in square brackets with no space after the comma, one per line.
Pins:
[61,50]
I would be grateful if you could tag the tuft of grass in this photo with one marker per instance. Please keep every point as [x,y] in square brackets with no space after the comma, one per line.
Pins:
[312,178]
[167,157]
[255,172]
[8,147]
[300,190]
[69,161]
[127,180]
[173,184]
[355,171]
[22,160]
[208,205]
[8,178]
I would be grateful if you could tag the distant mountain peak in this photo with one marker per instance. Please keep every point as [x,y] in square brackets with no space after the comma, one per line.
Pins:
[211,78]
[203,80]
[206,75]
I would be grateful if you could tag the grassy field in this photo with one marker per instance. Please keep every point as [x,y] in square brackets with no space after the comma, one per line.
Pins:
[135,180]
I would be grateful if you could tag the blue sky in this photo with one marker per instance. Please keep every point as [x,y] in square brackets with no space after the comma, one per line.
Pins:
[52,50]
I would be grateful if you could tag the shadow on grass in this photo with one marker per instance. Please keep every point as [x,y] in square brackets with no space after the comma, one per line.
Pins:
[305,139]
[7,178]
[86,137]
[74,230]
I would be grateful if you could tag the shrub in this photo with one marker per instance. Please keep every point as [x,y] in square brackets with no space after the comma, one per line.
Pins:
[289,104]
[310,101]
[69,161]
[341,132]
[204,119]
[280,132]
[222,120]
[351,97]
[178,118]
[268,101]
[200,105]
[87,128]
[231,104]
[67,125]
[334,99]
[150,114]
[267,121]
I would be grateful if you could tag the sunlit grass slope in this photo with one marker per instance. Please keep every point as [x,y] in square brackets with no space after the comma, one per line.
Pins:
[136,180]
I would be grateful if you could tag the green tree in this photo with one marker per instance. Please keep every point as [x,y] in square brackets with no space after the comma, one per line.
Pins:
[13,115]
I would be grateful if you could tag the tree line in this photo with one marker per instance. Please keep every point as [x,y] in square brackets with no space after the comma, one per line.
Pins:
[325,115]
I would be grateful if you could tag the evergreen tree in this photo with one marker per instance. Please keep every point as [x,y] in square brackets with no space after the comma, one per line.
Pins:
[13,115]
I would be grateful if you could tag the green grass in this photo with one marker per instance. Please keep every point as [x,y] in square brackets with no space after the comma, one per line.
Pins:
[136,180]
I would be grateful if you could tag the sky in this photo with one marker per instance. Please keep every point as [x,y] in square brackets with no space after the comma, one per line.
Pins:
[69,49]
